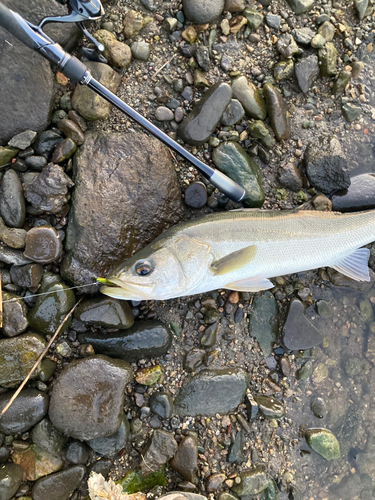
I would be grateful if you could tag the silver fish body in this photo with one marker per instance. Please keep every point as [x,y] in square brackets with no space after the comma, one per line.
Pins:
[241,250]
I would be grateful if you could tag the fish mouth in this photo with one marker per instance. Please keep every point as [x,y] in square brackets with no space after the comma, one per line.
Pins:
[118,289]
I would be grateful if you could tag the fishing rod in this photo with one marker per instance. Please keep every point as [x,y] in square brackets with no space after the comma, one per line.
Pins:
[87,10]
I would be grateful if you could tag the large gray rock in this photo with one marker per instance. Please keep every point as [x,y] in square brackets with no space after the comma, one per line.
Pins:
[133,196]
[202,11]
[26,78]
[300,6]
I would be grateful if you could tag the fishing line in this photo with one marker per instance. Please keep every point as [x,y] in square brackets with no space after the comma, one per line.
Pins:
[47,293]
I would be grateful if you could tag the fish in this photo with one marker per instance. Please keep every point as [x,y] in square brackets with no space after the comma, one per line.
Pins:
[243,250]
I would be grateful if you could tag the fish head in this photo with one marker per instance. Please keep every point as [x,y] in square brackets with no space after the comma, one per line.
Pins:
[165,269]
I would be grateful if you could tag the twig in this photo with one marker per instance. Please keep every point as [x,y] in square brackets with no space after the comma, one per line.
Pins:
[38,360]
[158,71]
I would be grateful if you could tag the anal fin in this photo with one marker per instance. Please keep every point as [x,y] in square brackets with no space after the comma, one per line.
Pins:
[234,261]
[355,265]
[254,284]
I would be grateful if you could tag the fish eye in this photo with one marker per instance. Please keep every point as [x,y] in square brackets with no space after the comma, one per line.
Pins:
[143,268]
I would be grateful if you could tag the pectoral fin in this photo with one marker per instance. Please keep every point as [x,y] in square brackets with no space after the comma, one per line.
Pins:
[355,266]
[234,261]
[254,284]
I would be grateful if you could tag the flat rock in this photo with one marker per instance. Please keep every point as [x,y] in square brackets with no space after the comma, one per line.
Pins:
[10,480]
[146,339]
[12,256]
[23,140]
[14,315]
[161,403]
[323,442]
[37,462]
[270,407]
[111,445]
[88,396]
[105,312]
[43,245]
[303,35]
[199,124]
[202,11]
[233,113]
[232,159]
[263,324]
[360,195]
[300,6]
[277,112]
[299,332]
[160,449]
[185,460]
[60,485]
[212,391]
[12,201]
[252,483]
[250,98]
[307,72]
[124,169]
[12,236]
[27,409]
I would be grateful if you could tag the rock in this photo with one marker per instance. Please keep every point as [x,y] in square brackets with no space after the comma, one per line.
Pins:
[86,102]
[170,24]
[14,315]
[190,34]
[303,35]
[27,409]
[341,82]
[300,6]
[360,195]
[351,112]
[200,123]
[77,452]
[258,130]
[305,372]
[287,46]
[17,357]
[163,114]
[326,165]
[318,41]
[43,245]
[13,237]
[185,460]
[7,154]
[236,453]
[12,256]
[36,162]
[323,442]
[196,195]
[46,437]
[12,201]
[117,53]
[94,247]
[328,60]
[46,142]
[211,391]
[200,81]
[23,140]
[58,486]
[88,396]
[10,480]
[339,279]
[290,177]
[270,407]
[64,151]
[250,98]
[28,276]
[323,308]
[203,57]
[234,5]
[273,21]
[71,130]
[161,404]
[111,445]
[48,190]
[105,312]
[277,112]
[252,483]
[140,50]
[160,449]
[201,12]
[307,71]
[233,113]
[193,359]
[298,332]
[133,23]
[353,366]
[36,462]
[254,18]
[327,31]
[149,375]
[361,6]
[231,159]
[319,407]
[146,339]
[283,69]
[263,323]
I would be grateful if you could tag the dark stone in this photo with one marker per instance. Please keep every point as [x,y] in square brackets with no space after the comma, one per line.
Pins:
[111,445]
[64,151]
[319,407]
[161,404]
[146,339]
[193,359]
[303,35]
[60,485]
[200,123]
[28,276]
[27,409]
[233,114]
[43,245]
[12,256]
[72,131]
[290,177]
[46,437]
[88,396]
[12,201]
[270,407]
[360,195]
[298,332]
[263,324]
[326,165]
[77,452]
[196,195]
[94,246]
[277,112]
[203,57]
[14,315]
[36,162]
[209,336]
[159,450]
[236,453]
[105,312]
[307,72]
[18,356]
[252,483]
[185,460]
[46,142]
[201,12]
[211,391]
[10,480]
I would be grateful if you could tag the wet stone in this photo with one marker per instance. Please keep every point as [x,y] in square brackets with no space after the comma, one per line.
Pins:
[359,196]
[77,452]
[14,315]
[185,460]
[351,112]
[233,113]
[146,339]
[254,18]
[83,385]
[105,312]
[12,201]
[290,177]
[17,357]
[305,371]
[270,407]
[202,11]
[214,482]
[71,130]
[10,480]
[250,98]
[23,140]
[36,162]
[27,276]
[285,366]
[300,6]
[200,123]
[28,409]
[277,112]
[307,72]
[328,60]
[46,142]
[36,462]
[232,160]
[193,359]
[236,453]
[7,154]
[323,442]
[64,151]
[12,256]
[298,332]
[341,82]
[211,391]
[252,483]
[43,245]
[287,47]
[303,35]
[263,323]
[196,195]
[48,438]
[208,339]
[111,445]
[319,407]
[160,449]
[47,369]
[161,404]
[60,485]
[323,308]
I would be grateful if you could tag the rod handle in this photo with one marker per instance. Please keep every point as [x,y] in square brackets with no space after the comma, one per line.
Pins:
[17,26]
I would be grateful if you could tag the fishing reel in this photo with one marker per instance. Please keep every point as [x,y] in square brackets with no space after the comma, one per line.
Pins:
[79,12]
